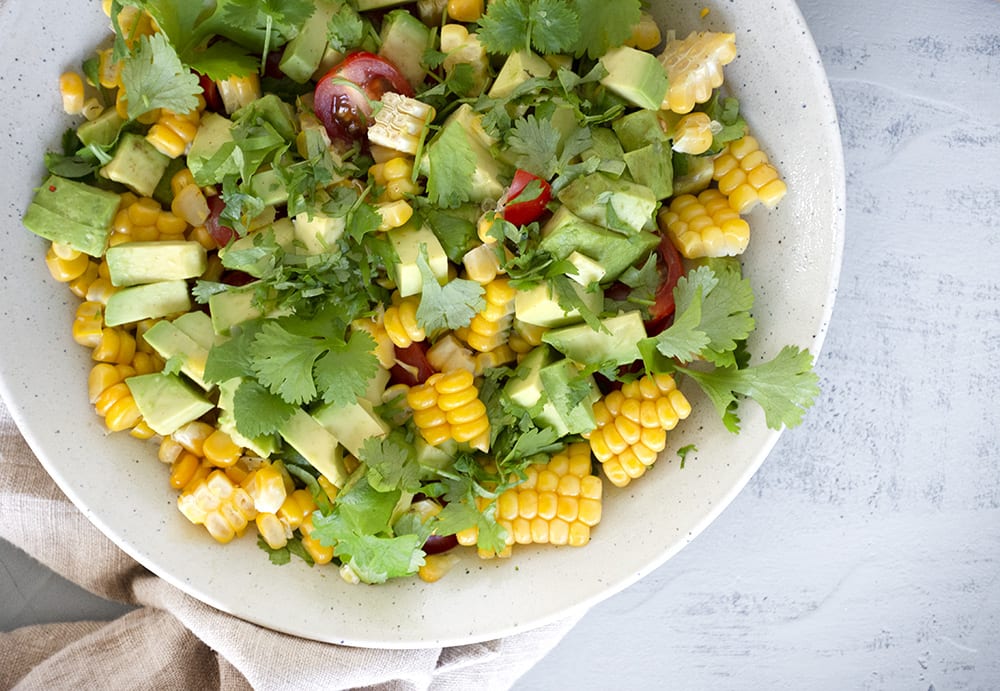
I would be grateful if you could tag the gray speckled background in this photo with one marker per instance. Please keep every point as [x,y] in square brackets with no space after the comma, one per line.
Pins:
[864,554]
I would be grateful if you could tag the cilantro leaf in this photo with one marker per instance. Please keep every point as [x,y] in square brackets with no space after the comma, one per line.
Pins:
[392,463]
[685,451]
[607,25]
[342,375]
[784,387]
[223,59]
[451,306]
[684,339]
[376,559]
[257,411]
[283,362]
[154,77]
[345,29]
[535,145]
[550,26]
[452,163]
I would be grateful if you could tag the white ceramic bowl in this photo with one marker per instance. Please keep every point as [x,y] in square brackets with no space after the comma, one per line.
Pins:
[793,263]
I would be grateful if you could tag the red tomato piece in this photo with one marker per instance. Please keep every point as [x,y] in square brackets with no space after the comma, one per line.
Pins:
[672,268]
[344,96]
[213,101]
[523,211]
[415,356]
[220,233]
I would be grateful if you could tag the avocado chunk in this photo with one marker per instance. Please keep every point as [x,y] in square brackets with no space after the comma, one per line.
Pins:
[407,241]
[636,76]
[73,214]
[540,306]
[316,444]
[433,459]
[639,129]
[264,445]
[588,347]
[405,39]
[133,263]
[587,270]
[267,185]
[103,130]
[166,401]
[652,166]
[604,145]
[615,204]
[208,158]
[526,389]
[489,171]
[520,66]
[456,229]
[317,232]
[198,327]
[352,424]
[566,232]
[691,174]
[572,395]
[136,164]
[169,341]
[234,306]
[303,53]
[270,109]
[249,253]
[148,301]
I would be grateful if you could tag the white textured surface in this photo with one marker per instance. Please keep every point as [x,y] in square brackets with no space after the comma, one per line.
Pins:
[864,553]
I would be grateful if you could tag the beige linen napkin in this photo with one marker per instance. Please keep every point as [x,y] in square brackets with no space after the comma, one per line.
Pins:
[172,641]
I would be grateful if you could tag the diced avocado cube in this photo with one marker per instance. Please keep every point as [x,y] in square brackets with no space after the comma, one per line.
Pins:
[198,327]
[103,130]
[455,228]
[566,232]
[166,401]
[148,301]
[243,254]
[559,381]
[136,164]
[303,53]
[520,66]
[352,424]
[540,306]
[616,204]
[526,389]
[236,305]
[317,232]
[133,263]
[209,157]
[72,213]
[164,192]
[270,108]
[618,344]
[408,241]
[169,341]
[606,147]
[636,76]
[268,186]
[316,444]
[265,445]
[405,39]
[587,270]
[433,459]
[652,166]
[691,174]
[638,129]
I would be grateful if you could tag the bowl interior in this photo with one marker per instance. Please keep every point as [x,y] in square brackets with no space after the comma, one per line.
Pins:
[793,263]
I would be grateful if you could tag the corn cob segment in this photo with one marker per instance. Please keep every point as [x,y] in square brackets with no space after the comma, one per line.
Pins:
[400,123]
[447,406]
[632,424]
[705,226]
[746,176]
[694,68]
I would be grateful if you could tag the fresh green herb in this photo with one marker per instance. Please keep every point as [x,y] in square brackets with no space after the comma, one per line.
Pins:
[608,25]
[154,77]
[345,29]
[451,165]
[392,463]
[451,306]
[548,26]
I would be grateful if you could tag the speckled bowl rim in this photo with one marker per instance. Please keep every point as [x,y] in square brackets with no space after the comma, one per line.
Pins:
[793,263]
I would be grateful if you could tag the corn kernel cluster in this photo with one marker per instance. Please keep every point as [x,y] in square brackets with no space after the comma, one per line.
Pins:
[142,219]
[172,133]
[705,226]
[395,175]
[490,328]
[632,424]
[447,406]
[400,321]
[746,176]
[694,68]
[557,503]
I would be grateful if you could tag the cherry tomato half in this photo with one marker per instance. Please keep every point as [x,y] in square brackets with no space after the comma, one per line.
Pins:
[672,268]
[520,208]
[418,370]
[344,96]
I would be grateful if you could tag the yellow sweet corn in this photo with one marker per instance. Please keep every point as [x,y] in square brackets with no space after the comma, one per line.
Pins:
[447,406]
[394,214]
[448,353]
[465,10]
[400,321]
[436,566]
[693,134]
[237,92]
[215,502]
[462,47]
[384,350]
[746,176]
[267,488]
[172,133]
[296,507]
[112,398]
[501,355]
[81,284]
[490,328]
[66,264]
[320,553]
[191,437]
[189,201]
[115,346]
[646,34]
[88,325]
[705,226]
[632,426]
[220,450]
[481,264]
[694,68]
[71,90]
[395,175]
[400,123]
[274,532]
